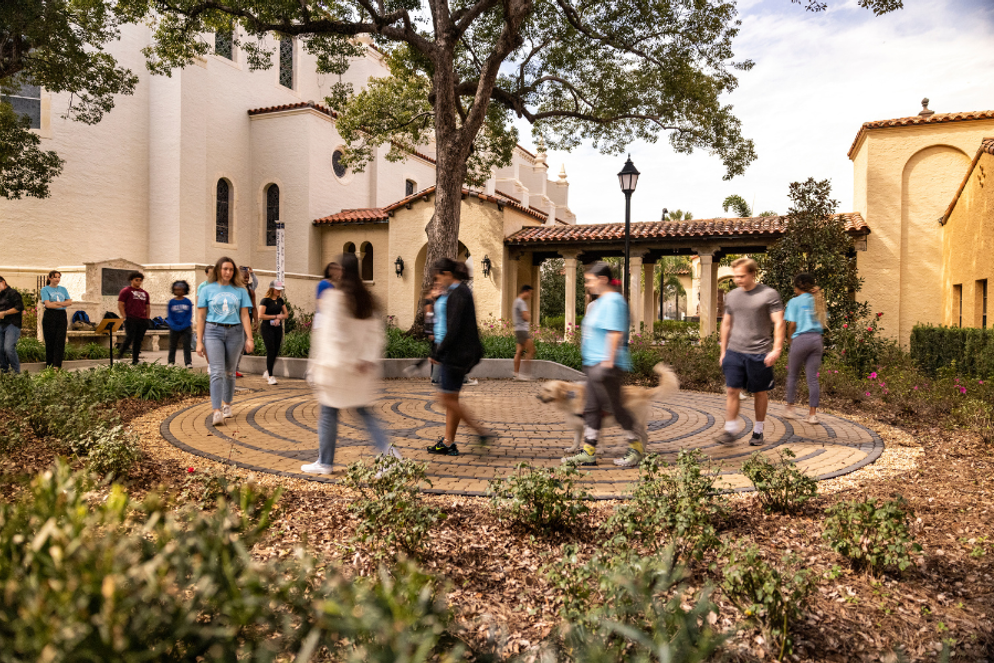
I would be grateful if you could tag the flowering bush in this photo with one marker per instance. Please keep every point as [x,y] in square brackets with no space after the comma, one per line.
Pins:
[857,342]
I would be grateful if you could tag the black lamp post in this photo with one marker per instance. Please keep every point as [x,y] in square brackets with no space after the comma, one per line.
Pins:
[628,177]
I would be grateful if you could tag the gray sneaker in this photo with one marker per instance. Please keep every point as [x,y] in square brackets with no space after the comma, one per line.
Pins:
[725,438]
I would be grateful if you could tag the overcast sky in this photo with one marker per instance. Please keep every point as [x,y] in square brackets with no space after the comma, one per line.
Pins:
[817,78]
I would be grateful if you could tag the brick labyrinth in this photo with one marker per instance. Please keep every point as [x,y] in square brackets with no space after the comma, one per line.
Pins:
[275,430]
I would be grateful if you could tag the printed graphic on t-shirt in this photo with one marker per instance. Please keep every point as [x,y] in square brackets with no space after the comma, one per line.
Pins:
[138,294]
[223,304]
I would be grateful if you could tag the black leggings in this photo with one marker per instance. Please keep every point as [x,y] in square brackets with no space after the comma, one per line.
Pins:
[603,395]
[54,324]
[273,338]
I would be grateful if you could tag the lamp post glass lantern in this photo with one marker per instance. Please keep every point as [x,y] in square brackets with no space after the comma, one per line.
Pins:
[486,264]
[399,266]
[628,178]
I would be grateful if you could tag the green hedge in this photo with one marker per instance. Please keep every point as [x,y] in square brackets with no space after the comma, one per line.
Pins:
[970,350]
[30,350]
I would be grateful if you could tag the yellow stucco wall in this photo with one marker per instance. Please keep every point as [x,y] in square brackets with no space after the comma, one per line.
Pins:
[968,247]
[482,230]
[904,180]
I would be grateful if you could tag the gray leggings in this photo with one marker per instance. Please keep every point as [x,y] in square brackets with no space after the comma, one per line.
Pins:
[603,395]
[806,351]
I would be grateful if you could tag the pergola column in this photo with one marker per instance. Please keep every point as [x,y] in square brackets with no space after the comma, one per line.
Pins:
[708,290]
[648,309]
[536,304]
[635,290]
[570,258]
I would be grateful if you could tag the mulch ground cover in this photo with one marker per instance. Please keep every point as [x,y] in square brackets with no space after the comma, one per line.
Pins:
[505,605]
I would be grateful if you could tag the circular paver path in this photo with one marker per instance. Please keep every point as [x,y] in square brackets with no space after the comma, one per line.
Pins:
[275,430]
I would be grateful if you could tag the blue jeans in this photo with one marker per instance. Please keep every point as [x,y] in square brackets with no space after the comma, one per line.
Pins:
[224,347]
[8,348]
[328,433]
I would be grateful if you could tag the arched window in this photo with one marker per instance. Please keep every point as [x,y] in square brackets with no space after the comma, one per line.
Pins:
[348,248]
[410,186]
[222,220]
[286,62]
[272,213]
[366,269]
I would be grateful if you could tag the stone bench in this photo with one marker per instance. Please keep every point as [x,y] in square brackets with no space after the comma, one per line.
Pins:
[151,343]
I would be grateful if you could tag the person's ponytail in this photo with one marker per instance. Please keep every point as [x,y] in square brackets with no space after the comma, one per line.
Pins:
[821,310]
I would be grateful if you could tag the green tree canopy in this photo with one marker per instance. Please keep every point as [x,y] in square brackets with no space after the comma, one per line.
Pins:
[59,45]
[815,242]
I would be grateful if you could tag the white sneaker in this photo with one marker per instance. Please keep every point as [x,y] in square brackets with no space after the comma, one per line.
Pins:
[271,379]
[791,413]
[317,468]
[812,419]
[189,366]
[226,411]
[742,395]
[265,374]
[412,370]
[218,418]
[471,382]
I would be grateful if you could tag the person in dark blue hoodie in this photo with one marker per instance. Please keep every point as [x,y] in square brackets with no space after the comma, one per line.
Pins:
[180,321]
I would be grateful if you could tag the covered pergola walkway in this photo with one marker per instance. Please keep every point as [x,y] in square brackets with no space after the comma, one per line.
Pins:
[709,239]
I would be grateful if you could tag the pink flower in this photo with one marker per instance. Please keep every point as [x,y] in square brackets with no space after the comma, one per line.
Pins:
[873,375]
[869,329]
[845,326]
[189,470]
[818,374]
[956,380]
[962,389]
[867,393]
[879,314]
[980,381]
[883,384]
[916,387]
[835,371]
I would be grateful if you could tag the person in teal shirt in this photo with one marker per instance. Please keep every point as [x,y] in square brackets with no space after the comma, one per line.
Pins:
[806,318]
[223,331]
[55,322]
[604,352]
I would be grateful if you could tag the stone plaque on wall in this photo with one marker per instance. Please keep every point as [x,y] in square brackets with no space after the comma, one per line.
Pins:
[112,281]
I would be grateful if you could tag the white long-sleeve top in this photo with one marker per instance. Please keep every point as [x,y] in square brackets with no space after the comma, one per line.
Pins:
[339,347]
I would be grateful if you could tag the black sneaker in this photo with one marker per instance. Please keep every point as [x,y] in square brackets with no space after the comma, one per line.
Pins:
[757,440]
[725,438]
[486,439]
[442,449]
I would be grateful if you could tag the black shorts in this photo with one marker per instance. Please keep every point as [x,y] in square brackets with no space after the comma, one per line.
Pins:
[450,379]
[748,372]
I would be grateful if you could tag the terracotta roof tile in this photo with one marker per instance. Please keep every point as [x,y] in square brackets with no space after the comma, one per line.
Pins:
[986,147]
[937,118]
[286,107]
[649,230]
[381,215]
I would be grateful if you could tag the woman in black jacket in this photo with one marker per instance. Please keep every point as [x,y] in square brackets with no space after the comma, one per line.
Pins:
[457,350]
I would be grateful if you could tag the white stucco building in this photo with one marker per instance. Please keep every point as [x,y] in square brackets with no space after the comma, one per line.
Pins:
[203,163]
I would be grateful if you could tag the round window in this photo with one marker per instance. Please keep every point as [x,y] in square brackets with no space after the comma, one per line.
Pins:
[337,165]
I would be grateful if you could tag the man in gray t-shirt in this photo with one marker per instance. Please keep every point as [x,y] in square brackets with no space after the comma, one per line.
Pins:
[521,318]
[752,334]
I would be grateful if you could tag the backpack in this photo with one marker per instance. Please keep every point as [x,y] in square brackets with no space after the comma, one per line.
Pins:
[159,323]
[80,316]
[111,316]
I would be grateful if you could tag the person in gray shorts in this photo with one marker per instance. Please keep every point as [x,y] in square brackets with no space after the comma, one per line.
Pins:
[525,348]
[752,333]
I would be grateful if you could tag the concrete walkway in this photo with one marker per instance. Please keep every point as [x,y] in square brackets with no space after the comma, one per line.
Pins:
[275,430]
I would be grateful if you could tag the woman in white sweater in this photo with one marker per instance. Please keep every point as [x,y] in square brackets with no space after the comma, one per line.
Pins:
[344,366]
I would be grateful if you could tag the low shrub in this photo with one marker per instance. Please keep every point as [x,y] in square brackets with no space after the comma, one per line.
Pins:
[970,349]
[204,487]
[401,345]
[871,536]
[109,451]
[781,486]
[540,498]
[859,342]
[673,330]
[770,597]
[392,515]
[682,506]
[30,350]
[628,607]
[108,578]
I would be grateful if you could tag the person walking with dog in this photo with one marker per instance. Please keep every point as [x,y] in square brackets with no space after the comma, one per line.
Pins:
[524,346]
[223,332]
[807,317]
[343,369]
[752,333]
[54,322]
[135,306]
[11,308]
[604,353]
[457,350]
[179,319]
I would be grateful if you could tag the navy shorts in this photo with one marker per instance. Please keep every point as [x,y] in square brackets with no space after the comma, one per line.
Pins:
[450,379]
[749,372]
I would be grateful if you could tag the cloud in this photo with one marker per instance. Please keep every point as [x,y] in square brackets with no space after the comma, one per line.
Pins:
[818,77]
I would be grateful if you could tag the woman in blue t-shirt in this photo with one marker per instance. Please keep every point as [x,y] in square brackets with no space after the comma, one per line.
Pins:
[55,322]
[604,350]
[806,318]
[223,331]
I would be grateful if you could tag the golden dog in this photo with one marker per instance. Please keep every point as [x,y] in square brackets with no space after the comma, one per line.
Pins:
[569,398]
